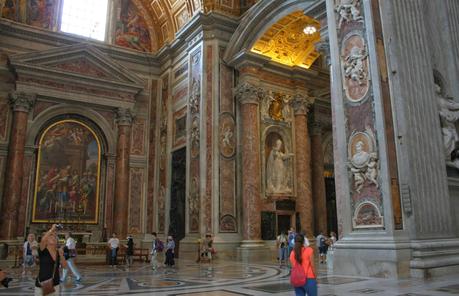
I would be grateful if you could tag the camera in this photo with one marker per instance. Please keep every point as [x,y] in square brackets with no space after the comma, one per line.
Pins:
[6,281]
[59,226]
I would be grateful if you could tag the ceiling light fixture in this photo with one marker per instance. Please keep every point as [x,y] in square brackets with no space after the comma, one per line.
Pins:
[309,30]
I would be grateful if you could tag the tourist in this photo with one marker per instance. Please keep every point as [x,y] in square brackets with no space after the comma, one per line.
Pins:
[304,256]
[30,253]
[129,250]
[156,246]
[291,240]
[47,282]
[113,244]
[70,254]
[207,249]
[282,246]
[170,247]
[332,240]
[321,242]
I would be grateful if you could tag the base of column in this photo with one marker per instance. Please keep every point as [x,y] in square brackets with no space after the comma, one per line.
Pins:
[433,258]
[253,251]
[375,258]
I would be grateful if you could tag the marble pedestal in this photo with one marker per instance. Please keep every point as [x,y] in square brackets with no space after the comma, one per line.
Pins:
[376,258]
[252,251]
[431,258]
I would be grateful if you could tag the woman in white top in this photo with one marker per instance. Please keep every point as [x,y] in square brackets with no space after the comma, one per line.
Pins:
[30,253]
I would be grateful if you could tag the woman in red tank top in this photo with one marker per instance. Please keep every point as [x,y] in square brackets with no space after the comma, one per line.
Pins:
[305,257]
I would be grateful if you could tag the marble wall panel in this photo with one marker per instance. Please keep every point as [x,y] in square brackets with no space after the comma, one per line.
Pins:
[179,128]
[109,117]
[25,193]
[227,147]
[151,211]
[180,93]
[195,202]
[163,122]
[135,199]
[138,136]
[109,195]
[209,138]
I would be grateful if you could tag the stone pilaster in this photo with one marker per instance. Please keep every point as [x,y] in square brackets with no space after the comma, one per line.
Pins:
[318,182]
[324,48]
[304,203]
[248,97]
[124,120]
[21,103]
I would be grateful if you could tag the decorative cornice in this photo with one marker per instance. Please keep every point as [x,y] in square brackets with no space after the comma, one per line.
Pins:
[301,104]
[124,116]
[21,101]
[247,93]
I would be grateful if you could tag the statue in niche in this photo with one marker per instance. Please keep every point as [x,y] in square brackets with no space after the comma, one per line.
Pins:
[354,66]
[278,169]
[348,11]
[363,164]
[449,114]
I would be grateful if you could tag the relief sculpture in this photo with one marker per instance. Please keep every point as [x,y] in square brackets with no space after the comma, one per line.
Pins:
[363,161]
[348,10]
[354,60]
[279,177]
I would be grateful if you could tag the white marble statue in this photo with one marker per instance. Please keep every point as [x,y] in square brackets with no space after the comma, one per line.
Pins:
[364,166]
[278,169]
[449,114]
[354,65]
[348,11]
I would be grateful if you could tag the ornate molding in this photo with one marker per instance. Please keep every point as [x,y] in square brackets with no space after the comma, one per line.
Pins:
[22,102]
[301,104]
[247,93]
[124,116]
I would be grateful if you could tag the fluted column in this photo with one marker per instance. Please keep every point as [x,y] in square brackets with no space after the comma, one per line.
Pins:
[120,221]
[304,202]
[248,98]
[318,182]
[21,103]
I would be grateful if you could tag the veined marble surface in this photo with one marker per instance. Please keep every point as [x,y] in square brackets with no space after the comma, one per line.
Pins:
[224,278]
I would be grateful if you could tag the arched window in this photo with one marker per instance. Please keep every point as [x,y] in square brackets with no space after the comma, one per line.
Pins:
[85,18]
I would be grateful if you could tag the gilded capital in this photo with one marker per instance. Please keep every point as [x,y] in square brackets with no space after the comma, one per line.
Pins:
[124,116]
[247,93]
[21,101]
[301,104]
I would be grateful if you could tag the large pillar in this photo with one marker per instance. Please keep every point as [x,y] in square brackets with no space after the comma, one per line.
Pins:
[248,98]
[22,104]
[318,181]
[304,203]
[120,221]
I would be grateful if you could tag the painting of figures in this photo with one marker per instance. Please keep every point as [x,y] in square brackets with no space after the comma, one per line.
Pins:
[68,171]
[40,13]
[131,29]
[10,9]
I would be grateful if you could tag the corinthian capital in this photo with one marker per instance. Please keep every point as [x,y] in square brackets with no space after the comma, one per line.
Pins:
[247,93]
[124,116]
[301,104]
[21,101]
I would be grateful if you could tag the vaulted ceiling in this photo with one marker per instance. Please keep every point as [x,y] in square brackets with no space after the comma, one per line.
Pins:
[167,17]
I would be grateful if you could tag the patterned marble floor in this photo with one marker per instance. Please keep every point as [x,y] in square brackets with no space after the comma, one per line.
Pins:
[226,279]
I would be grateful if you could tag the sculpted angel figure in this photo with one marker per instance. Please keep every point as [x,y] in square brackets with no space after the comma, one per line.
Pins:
[348,11]
[354,66]
[277,170]
[449,114]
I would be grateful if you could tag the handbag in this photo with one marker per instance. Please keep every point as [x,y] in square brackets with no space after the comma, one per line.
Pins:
[47,287]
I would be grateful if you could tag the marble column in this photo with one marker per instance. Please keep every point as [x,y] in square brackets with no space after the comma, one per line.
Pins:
[248,97]
[304,202]
[21,103]
[121,206]
[318,182]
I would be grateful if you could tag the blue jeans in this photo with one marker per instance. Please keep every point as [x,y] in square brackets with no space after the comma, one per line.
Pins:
[309,289]
[72,267]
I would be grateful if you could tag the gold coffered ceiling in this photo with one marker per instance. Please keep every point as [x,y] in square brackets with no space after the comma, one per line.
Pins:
[286,43]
